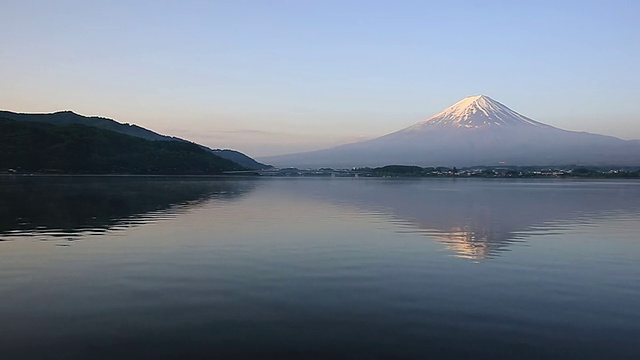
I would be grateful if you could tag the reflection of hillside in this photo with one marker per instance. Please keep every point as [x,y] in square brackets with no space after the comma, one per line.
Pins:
[480,218]
[67,205]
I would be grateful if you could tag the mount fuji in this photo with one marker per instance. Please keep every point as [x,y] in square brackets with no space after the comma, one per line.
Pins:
[477,130]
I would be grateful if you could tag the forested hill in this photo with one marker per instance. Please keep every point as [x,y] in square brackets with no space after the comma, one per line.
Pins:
[79,149]
[71,118]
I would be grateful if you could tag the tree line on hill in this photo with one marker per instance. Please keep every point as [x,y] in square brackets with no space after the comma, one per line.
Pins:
[80,149]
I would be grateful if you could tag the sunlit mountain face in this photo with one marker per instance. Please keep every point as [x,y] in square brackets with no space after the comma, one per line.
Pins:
[475,112]
[477,130]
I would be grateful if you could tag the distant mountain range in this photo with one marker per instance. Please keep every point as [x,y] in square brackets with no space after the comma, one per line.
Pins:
[66,118]
[475,131]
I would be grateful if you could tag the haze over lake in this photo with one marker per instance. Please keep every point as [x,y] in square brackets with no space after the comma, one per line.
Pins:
[153,267]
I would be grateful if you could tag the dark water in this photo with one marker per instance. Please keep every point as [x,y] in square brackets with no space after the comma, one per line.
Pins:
[106,268]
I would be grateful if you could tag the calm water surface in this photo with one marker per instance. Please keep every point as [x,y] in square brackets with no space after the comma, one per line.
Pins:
[106,268]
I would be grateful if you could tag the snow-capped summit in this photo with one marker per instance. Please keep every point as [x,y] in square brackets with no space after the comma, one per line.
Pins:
[476,112]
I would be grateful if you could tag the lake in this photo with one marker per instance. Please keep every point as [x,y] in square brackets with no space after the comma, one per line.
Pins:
[303,268]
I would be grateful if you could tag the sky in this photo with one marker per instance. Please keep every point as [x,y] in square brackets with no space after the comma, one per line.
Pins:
[271,77]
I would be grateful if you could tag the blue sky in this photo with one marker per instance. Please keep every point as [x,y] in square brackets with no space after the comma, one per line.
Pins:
[269,77]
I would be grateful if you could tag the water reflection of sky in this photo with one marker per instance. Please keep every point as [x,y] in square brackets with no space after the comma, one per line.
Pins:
[480,219]
[335,268]
[474,219]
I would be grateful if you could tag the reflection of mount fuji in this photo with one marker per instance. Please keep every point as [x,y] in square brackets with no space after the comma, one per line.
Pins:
[479,219]
[64,206]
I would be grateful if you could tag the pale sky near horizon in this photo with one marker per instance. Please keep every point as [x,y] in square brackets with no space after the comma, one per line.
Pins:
[272,77]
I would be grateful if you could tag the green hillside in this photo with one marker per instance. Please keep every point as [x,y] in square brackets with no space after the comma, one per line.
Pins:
[79,149]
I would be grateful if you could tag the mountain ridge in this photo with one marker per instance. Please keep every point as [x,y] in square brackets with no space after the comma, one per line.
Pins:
[68,117]
[476,130]
[32,147]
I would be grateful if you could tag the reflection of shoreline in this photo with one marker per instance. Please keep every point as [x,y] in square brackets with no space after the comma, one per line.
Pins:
[70,205]
[480,219]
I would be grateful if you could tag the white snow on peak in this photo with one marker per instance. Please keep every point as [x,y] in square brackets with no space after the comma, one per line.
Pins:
[477,111]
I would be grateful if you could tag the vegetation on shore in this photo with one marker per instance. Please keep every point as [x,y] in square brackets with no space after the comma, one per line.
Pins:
[502,171]
[412,171]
